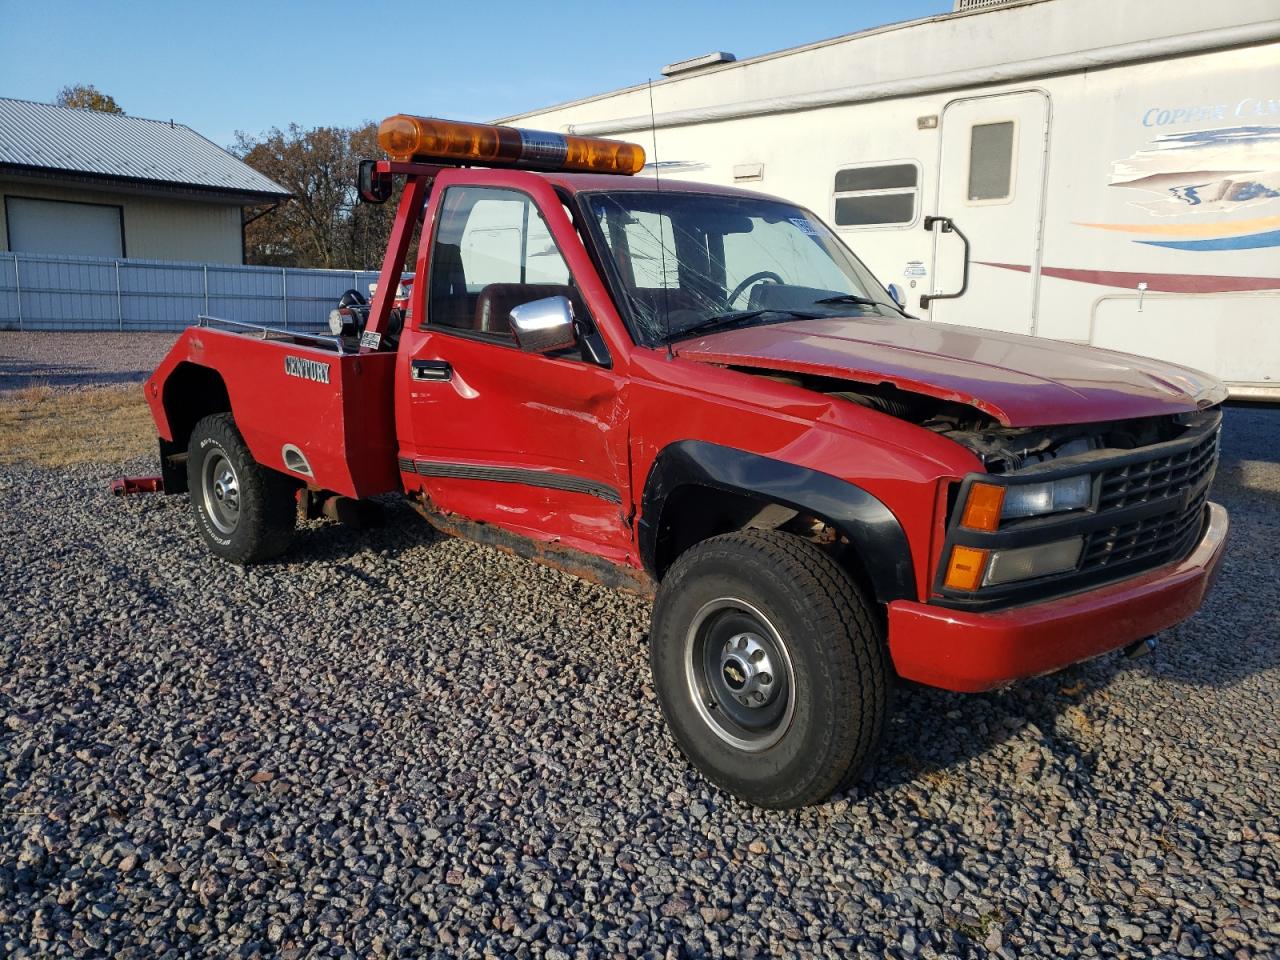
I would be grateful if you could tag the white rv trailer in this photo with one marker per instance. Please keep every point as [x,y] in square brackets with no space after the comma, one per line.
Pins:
[1115,166]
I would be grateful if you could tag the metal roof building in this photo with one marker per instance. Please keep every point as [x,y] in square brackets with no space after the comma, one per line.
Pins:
[82,182]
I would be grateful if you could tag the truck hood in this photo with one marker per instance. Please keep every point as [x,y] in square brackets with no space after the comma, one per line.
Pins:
[1020,381]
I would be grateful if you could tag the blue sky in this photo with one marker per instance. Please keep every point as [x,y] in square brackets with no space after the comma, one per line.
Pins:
[226,66]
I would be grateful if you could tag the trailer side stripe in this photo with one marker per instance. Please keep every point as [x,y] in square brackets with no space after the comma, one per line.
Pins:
[1189,230]
[1156,282]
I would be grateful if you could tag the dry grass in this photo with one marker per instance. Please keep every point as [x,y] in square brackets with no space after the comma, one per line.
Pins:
[58,428]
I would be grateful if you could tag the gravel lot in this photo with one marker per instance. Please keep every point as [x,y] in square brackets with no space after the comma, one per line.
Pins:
[392,744]
[78,359]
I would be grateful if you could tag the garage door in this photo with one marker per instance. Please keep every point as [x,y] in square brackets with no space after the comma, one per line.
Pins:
[67,229]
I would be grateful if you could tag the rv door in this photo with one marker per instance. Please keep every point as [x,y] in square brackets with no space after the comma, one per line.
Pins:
[991,184]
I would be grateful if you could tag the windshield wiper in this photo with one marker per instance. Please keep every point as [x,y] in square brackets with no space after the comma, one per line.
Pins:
[861,301]
[723,321]
[850,298]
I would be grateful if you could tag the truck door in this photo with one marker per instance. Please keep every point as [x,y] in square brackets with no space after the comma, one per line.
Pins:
[991,184]
[533,443]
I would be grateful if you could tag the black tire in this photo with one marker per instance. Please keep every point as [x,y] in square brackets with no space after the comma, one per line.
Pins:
[814,629]
[249,519]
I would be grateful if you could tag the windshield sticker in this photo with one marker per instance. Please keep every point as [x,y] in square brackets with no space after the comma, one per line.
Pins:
[804,225]
[915,268]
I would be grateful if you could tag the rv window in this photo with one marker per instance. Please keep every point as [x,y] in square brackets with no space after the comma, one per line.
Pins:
[881,195]
[876,178]
[991,161]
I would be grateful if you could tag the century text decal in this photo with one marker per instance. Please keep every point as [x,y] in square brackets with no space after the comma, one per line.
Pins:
[307,369]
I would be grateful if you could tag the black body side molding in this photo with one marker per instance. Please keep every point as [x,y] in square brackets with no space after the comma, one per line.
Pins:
[869,525]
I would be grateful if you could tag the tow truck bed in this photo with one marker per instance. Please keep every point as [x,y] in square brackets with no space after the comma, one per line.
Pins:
[303,406]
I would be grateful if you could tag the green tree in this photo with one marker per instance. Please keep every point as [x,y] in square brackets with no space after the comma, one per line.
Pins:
[87,97]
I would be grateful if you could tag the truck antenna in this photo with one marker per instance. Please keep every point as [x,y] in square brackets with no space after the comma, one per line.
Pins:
[662,247]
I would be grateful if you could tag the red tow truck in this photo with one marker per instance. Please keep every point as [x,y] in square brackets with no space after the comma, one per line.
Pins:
[700,392]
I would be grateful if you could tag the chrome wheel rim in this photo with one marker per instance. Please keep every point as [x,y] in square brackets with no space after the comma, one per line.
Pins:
[221,492]
[739,674]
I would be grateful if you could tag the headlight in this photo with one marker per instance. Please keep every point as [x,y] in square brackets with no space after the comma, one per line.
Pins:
[972,567]
[1034,499]
[989,503]
[1026,563]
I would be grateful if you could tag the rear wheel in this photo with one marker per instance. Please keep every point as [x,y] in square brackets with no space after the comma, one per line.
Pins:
[770,666]
[244,511]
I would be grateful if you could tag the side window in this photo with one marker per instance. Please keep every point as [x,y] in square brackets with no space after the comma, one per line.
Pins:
[492,251]
[882,195]
[991,161]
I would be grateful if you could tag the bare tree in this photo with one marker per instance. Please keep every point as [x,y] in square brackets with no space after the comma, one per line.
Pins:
[324,225]
[86,96]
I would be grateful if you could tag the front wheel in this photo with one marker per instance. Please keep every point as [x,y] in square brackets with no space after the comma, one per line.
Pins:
[770,667]
[244,511]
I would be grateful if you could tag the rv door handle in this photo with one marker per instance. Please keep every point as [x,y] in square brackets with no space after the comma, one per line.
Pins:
[430,370]
[947,225]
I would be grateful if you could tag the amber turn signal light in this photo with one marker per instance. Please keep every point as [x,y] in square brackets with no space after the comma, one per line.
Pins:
[406,137]
[982,509]
[965,568]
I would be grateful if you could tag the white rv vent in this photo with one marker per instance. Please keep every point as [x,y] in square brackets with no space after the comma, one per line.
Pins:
[962,5]
[697,63]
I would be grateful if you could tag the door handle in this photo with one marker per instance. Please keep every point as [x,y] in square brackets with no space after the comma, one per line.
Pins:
[430,370]
[947,225]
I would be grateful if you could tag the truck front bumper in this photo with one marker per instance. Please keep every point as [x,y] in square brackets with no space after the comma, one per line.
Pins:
[971,652]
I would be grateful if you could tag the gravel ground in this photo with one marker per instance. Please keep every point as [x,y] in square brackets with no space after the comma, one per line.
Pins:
[78,359]
[393,744]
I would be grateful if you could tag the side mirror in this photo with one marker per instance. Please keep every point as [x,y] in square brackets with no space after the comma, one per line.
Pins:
[898,296]
[373,187]
[543,326]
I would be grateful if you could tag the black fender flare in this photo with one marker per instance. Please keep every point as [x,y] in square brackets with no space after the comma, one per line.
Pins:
[869,525]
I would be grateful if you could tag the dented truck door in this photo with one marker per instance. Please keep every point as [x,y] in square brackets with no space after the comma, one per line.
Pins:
[534,443]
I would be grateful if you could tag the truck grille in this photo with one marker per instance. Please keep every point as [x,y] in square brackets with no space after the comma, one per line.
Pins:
[1161,477]
[1164,536]
[1149,510]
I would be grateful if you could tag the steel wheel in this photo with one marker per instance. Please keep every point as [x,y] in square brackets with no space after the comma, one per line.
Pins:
[220,488]
[770,666]
[739,674]
[244,511]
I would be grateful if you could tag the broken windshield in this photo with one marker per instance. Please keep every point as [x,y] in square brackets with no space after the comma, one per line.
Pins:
[687,262]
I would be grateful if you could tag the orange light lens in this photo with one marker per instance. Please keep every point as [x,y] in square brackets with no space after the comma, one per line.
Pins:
[603,156]
[405,138]
[965,569]
[982,509]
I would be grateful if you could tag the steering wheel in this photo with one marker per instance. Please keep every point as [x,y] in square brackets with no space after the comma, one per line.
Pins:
[752,281]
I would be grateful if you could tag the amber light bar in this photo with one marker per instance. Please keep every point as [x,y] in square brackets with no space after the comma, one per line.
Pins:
[425,138]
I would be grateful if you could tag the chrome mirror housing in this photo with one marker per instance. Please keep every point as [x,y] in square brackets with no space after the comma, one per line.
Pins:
[543,326]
